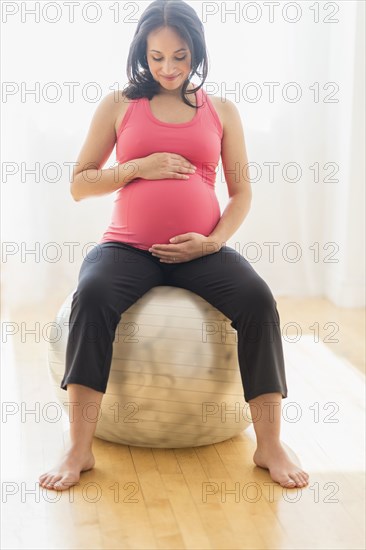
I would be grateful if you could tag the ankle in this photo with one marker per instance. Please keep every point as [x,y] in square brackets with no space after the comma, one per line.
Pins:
[78,449]
[269,443]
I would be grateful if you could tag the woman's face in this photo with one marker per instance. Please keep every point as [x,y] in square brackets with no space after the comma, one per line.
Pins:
[168,56]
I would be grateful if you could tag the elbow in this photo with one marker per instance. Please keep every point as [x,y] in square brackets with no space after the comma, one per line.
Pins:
[73,194]
[244,196]
[73,189]
[248,195]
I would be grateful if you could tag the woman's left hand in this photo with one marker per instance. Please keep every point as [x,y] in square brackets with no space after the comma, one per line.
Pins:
[184,248]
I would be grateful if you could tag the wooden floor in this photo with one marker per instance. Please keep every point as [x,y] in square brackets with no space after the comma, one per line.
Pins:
[208,497]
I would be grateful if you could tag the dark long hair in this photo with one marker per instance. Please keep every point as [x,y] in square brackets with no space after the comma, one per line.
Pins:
[182,18]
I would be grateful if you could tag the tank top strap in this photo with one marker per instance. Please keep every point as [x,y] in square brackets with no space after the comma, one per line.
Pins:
[208,115]
[132,105]
[210,111]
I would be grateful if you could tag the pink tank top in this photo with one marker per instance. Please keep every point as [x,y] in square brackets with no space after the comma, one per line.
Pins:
[147,212]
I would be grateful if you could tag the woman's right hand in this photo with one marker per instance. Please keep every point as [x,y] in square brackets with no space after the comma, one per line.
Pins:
[159,166]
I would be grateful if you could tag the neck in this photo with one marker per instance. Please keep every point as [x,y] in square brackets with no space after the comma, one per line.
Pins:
[173,93]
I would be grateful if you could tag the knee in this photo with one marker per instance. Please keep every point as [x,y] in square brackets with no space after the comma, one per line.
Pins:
[92,290]
[260,298]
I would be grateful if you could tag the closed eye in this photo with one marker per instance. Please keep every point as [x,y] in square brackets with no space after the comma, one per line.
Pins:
[177,58]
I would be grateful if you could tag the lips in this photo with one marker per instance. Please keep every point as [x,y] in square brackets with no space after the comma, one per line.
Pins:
[171,77]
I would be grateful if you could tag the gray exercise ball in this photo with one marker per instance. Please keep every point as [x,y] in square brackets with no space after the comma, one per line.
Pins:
[174,379]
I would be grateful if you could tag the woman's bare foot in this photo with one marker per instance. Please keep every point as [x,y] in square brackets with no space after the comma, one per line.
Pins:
[67,472]
[281,469]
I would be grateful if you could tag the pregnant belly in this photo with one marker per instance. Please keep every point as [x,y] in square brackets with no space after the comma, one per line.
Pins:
[152,211]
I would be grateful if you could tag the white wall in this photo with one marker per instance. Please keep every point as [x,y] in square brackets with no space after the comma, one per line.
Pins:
[345,204]
[36,213]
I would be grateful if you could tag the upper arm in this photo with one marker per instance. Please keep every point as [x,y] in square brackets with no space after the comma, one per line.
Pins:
[233,151]
[101,137]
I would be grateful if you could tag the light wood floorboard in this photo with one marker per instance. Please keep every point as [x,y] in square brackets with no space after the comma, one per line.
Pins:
[211,497]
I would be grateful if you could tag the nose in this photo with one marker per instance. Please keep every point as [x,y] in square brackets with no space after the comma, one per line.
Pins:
[168,68]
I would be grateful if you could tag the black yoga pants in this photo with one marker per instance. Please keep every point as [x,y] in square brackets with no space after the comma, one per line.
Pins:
[115,275]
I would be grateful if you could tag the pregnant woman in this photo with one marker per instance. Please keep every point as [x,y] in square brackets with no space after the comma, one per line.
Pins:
[167,229]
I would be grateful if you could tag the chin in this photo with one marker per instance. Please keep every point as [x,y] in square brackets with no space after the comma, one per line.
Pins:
[169,85]
[170,82]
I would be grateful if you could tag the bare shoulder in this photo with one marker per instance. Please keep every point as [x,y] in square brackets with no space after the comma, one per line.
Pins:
[233,125]
[233,150]
[119,104]
[218,105]
[226,110]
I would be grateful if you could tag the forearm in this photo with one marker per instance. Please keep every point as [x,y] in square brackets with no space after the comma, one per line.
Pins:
[231,219]
[93,182]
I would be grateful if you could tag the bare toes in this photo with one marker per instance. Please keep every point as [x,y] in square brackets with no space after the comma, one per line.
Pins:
[45,480]
[49,483]
[289,483]
[304,477]
[64,484]
[298,479]
[58,483]
[56,479]
[295,478]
